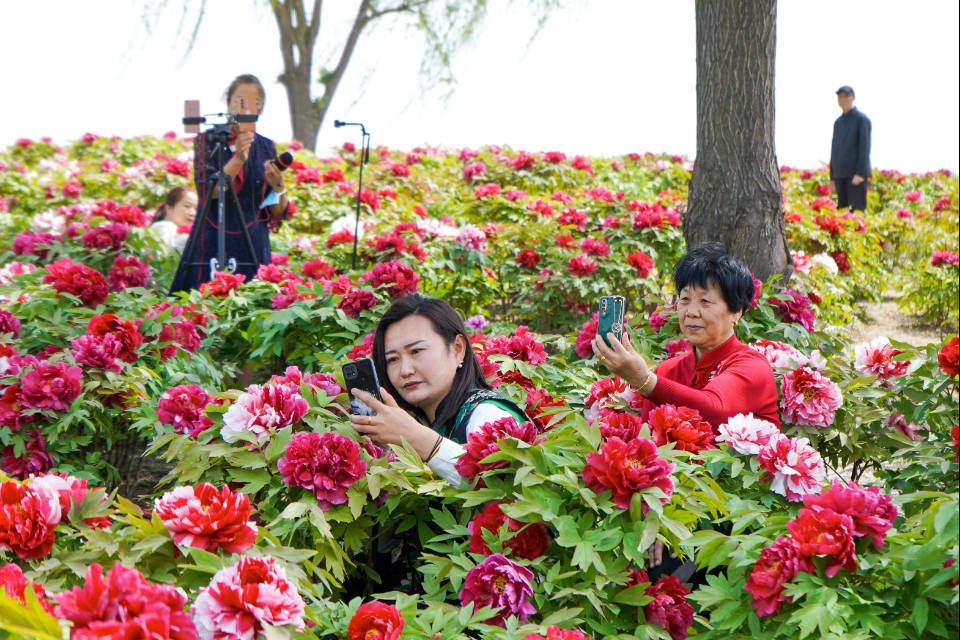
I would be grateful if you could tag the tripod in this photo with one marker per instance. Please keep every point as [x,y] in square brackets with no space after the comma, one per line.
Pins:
[220,135]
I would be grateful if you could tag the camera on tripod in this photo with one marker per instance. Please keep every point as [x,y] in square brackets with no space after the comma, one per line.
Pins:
[222,123]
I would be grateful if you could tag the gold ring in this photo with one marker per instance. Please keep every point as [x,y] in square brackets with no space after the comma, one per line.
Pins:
[602,357]
[369,420]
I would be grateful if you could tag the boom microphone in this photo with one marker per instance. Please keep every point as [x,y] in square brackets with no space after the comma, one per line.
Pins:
[283,161]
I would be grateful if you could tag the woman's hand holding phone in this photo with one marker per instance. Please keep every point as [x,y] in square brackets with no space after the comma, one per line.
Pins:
[621,358]
[392,424]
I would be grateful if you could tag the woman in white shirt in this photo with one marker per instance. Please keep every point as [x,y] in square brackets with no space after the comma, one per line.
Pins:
[434,393]
[179,209]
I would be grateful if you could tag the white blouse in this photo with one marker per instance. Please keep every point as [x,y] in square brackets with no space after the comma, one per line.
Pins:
[444,461]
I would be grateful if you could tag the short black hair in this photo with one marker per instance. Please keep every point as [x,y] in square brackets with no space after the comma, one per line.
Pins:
[448,324]
[246,78]
[709,263]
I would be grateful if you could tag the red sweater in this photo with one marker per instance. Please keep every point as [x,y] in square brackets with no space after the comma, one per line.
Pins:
[729,379]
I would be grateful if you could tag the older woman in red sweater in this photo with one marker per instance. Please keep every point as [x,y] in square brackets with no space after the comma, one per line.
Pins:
[721,377]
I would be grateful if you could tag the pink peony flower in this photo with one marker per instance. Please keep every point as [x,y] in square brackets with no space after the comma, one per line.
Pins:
[328,464]
[908,429]
[51,386]
[683,426]
[14,583]
[581,266]
[182,407]
[794,468]
[585,336]
[123,604]
[524,540]
[473,170]
[261,411]
[809,398]
[938,258]
[97,351]
[609,391]
[912,196]
[641,262]
[106,237]
[246,597]
[355,301]
[872,512]
[780,355]
[797,309]
[472,238]
[69,490]
[398,278]
[746,434]
[520,346]
[9,324]
[876,358]
[207,518]
[500,583]
[676,347]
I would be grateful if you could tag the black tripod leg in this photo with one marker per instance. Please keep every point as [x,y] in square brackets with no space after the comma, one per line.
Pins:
[243,228]
[191,246]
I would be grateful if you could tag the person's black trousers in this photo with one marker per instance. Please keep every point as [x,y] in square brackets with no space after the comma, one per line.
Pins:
[851,195]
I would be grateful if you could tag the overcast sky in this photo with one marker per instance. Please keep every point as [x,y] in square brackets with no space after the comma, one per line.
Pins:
[604,77]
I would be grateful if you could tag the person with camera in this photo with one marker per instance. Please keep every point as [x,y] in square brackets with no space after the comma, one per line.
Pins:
[174,217]
[250,166]
[720,377]
[434,392]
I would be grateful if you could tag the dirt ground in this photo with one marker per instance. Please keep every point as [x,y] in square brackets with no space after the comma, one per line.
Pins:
[884,319]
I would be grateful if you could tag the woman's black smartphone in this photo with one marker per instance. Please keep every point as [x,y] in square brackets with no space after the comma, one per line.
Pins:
[610,317]
[361,374]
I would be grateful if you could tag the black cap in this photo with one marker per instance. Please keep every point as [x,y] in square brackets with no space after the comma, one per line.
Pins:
[847,89]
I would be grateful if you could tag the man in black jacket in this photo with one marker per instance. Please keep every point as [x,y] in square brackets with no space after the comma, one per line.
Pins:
[850,153]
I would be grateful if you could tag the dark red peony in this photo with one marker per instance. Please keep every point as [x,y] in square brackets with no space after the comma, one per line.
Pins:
[641,262]
[355,301]
[777,565]
[528,259]
[795,309]
[123,330]
[398,278]
[624,468]
[669,608]
[34,461]
[107,236]
[825,533]
[128,271]
[78,280]
[375,621]
[525,540]
[581,266]
[949,357]
[9,323]
[619,424]
[682,426]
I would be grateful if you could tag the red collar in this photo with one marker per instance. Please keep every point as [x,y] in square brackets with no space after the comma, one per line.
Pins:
[715,357]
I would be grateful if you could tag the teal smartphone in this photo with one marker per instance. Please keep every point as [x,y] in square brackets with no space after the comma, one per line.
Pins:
[610,317]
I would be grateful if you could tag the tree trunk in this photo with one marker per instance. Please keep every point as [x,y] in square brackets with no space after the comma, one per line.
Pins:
[297,37]
[735,188]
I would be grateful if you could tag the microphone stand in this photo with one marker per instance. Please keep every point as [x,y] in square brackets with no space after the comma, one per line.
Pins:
[364,158]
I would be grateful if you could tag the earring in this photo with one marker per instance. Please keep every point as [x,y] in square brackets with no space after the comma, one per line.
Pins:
[460,366]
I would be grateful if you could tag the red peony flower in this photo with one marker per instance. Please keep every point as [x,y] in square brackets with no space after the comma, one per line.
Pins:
[33,243]
[398,278]
[682,426]
[825,533]
[641,262]
[123,604]
[375,621]
[77,280]
[357,300]
[485,191]
[207,518]
[35,459]
[778,564]
[11,409]
[485,441]
[28,518]
[222,284]
[124,331]
[594,247]
[528,540]
[669,608]
[619,424]
[51,386]
[502,584]
[950,258]
[843,262]
[872,512]
[327,464]
[318,270]
[624,468]
[572,218]
[69,490]
[581,266]
[520,346]
[528,259]
[955,434]
[538,402]
[14,583]
[244,598]
[949,357]
[362,350]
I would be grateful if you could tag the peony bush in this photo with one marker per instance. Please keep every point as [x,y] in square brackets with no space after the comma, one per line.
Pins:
[182,466]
